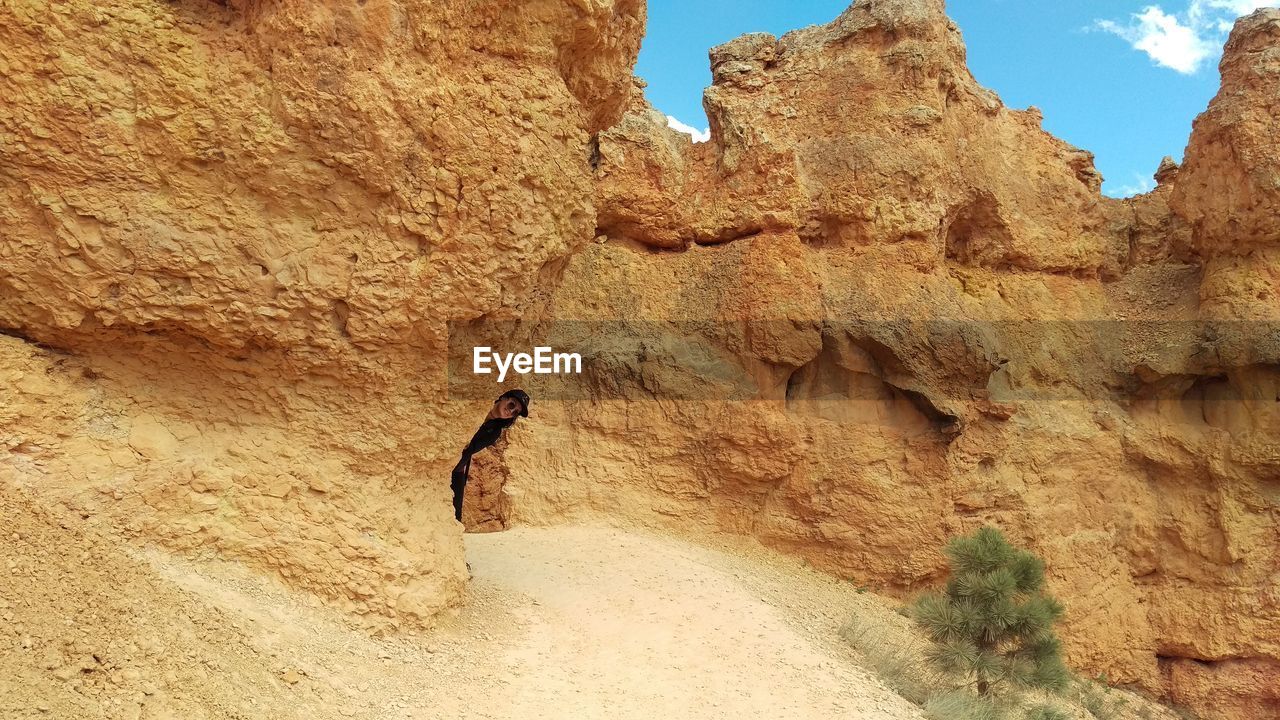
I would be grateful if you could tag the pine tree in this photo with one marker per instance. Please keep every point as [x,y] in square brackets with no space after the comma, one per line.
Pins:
[993,624]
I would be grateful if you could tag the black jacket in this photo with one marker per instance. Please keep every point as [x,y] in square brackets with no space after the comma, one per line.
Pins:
[487,435]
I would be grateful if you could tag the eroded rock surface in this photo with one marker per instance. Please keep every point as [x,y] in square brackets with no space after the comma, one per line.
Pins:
[869,130]
[1227,187]
[233,236]
[948,325]
[230,240]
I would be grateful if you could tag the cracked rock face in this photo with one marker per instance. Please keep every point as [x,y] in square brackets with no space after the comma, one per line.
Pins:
[951,326]
[1229,186]
[869,130]
[233,236]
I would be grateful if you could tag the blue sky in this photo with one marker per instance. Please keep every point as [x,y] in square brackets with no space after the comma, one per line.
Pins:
[1121,78]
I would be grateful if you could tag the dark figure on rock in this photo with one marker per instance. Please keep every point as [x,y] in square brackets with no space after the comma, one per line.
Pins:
[506,409]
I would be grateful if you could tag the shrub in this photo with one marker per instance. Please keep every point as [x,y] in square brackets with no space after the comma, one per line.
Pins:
[1045,712]
[898,663]
[1093,700]
[961,706]
[993,623]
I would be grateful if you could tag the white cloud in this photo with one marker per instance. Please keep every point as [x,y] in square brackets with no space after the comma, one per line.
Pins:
[1183,41]
[1164,38]
[697,135]
[1140,186]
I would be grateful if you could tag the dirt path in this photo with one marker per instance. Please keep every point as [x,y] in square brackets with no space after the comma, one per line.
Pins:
[561,623]
[616,624]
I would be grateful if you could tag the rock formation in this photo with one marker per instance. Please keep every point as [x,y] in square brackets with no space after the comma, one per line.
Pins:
[235,237]
[941,323]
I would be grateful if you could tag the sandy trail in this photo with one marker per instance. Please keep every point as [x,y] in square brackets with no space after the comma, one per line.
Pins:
[582,623]
[607,623]
[570,623]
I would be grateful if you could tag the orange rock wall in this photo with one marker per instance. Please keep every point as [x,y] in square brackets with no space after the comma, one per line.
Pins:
[952,327]
[231,237]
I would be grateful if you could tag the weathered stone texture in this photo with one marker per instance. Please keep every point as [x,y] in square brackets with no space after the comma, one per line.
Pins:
[241,231]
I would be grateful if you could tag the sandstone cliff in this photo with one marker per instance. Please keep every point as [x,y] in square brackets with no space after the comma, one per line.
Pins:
[947,324]
[232,238]
[234,234]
